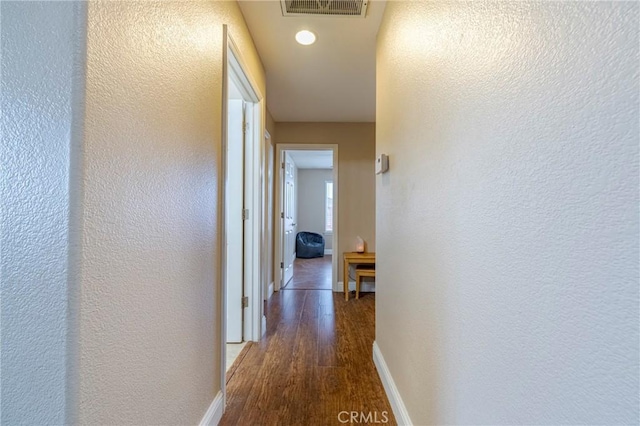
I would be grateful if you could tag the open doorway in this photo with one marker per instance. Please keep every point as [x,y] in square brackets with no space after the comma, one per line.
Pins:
[307,232]
[234,220]
[242,211]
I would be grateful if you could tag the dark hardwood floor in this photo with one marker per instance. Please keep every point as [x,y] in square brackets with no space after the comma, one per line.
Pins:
[314,367]
[311,274]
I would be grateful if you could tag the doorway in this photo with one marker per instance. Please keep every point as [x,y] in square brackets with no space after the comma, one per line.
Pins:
[241,210]
[234,220]
[306,194]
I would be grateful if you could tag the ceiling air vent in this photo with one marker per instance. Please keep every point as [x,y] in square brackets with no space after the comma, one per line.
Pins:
[356,8]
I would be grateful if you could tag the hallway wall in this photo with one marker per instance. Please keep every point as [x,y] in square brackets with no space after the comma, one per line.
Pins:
[150,289]
[356,175]
[507,226]
[42,72]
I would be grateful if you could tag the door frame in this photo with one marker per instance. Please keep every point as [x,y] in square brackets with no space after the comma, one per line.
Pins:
[279,234]
[268,205]
[233,66]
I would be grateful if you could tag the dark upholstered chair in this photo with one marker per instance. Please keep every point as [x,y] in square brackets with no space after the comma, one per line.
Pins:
[309,245]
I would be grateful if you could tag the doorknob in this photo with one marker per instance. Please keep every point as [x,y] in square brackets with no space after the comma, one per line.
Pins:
[293,224]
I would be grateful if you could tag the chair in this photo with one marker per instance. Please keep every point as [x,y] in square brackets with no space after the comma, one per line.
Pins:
[363,271]
[309,245]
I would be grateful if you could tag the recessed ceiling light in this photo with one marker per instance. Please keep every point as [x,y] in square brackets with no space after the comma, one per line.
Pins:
[305,37]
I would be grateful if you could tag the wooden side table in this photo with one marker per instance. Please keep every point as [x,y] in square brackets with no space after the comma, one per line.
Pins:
[355,259]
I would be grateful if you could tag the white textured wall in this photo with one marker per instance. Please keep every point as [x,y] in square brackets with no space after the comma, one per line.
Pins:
[41,45]
[507,227]
[150,292]
[41,50]
[311,206]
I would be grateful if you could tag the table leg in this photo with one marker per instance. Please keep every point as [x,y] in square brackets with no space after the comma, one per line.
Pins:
[345,279]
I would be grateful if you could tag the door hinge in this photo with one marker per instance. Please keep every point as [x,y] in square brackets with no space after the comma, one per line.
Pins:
[281,215]
[245,214]
[245,127]
[283,166]
[245,302]
[281,265]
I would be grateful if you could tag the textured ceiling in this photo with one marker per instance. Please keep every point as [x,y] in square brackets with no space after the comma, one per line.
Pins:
[331,80]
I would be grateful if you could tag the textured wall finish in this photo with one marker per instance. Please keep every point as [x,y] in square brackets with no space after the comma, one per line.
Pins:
[356,175]
[41,45]
[507,226]
[150,289]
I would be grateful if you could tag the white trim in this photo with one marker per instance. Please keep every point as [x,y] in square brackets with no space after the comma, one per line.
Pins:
[328,251]
[245,81]
[277,258]
[266,258]
[222,220]
[397,405]
[253,289]
[365,287]
[214,414]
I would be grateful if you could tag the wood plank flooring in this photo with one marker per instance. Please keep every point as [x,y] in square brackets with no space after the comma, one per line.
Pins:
[314,365]
[311,274]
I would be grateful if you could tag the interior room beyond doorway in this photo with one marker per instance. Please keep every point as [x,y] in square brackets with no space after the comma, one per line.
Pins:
[311,208]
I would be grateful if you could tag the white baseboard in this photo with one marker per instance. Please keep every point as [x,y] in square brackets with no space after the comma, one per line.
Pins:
[270,291]
[264,325]
[365,287]
[328,251]
[397,405]
[214,413]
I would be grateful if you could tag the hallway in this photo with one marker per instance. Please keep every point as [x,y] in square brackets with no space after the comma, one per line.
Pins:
[487,152]
[314,364]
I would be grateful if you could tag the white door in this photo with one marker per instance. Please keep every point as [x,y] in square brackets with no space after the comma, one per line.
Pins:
[289,192]
[234,221]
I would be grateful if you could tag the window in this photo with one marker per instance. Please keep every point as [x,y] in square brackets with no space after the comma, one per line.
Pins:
[328,207]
